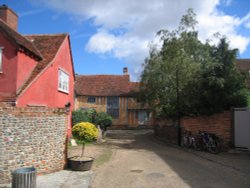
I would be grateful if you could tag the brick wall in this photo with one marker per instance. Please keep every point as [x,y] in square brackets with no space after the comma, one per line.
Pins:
[220,124]
[33,136]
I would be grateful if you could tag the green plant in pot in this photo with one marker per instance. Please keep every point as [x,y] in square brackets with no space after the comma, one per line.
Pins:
[86,133]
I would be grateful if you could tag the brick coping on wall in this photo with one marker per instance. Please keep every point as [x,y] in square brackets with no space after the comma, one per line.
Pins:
[30,110]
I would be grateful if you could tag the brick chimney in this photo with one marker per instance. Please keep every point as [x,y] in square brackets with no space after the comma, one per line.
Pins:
[9,16]
[125,70]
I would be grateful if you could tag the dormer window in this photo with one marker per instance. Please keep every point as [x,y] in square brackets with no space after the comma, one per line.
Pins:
[1,59]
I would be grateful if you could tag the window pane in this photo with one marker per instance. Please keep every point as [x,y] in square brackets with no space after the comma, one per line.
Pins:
[113,106]
[63,84]
[91,100]
[113,112]
[113,102]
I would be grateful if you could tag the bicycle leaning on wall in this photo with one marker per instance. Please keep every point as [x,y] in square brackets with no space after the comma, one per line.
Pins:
[202,141]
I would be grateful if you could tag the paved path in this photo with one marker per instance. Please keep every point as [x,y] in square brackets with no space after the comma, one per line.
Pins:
[65,179]
[142,161]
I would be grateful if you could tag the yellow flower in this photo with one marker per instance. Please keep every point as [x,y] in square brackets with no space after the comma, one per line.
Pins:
[85,131]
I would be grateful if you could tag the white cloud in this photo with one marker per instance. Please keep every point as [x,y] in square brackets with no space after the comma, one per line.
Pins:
[32,12]
[226,25]
[140,20]
[238,41]
[246,21]
[102,42]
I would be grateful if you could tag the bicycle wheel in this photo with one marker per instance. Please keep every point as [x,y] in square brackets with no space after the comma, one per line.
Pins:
[214,146]
[197,145]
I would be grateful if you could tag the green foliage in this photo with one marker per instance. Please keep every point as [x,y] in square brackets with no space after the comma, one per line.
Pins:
[85,132]
[222,85]
[83,116]
[248,99]
[188,77]
[103,119]
[169,74]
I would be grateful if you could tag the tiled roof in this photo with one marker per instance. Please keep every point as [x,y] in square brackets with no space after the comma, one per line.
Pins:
[19,40]
[48,45]
[243,64]
[133,88]
[105,85]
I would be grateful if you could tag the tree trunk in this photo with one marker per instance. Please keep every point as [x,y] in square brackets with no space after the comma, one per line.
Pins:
[83,147]
[178,108]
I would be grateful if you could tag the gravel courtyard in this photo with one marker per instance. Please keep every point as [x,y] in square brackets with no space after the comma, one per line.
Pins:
[141,160]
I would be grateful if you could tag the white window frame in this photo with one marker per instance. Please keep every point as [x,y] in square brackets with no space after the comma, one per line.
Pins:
[63,81]
[1,59]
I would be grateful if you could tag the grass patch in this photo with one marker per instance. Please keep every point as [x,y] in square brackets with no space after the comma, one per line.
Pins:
[104,157]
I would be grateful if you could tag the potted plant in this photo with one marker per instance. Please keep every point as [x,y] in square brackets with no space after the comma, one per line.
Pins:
[85,132]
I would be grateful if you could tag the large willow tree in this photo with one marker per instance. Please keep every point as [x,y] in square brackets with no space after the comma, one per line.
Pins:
[188,77]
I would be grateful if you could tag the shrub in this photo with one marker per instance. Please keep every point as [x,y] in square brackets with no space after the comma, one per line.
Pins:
[103,119]
[83,116]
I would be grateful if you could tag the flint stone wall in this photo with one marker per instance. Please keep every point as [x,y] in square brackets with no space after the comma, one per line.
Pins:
[32,136]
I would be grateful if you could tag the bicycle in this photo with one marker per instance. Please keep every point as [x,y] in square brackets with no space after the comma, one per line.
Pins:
[189,141]
[209,142]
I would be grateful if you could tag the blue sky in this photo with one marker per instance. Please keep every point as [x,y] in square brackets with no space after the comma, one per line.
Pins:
[109,35]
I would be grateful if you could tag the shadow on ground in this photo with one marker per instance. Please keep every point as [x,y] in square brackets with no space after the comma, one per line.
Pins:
[196,168]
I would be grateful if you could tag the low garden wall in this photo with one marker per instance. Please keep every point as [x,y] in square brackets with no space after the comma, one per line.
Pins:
[32,136]
[220,124]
